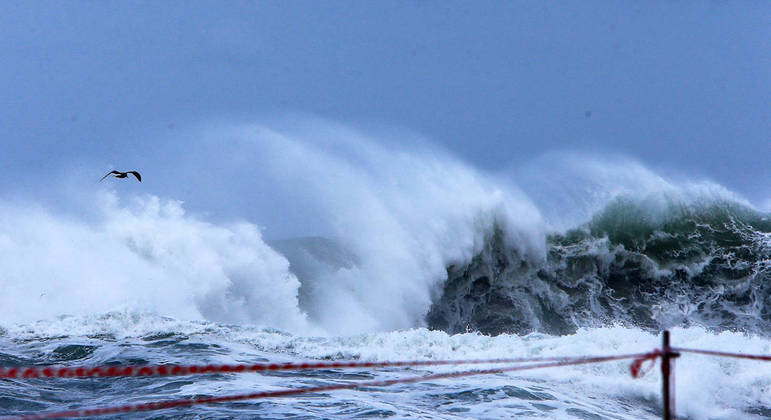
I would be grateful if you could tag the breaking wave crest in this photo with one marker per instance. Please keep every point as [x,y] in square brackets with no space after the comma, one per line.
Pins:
[675,263]
[397,237]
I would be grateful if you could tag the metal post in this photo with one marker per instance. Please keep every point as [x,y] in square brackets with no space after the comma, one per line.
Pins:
[667,393]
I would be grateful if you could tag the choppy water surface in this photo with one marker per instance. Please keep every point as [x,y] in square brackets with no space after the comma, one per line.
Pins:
[426,258]
[593,391]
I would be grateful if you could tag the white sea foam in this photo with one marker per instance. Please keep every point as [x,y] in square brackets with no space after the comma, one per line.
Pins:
[405,213]
[118,264]
[706,387]
[149,256]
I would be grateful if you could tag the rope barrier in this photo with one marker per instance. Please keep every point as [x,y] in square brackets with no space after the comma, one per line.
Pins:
[25,372]
[724,354]
[635,368]
[160,405]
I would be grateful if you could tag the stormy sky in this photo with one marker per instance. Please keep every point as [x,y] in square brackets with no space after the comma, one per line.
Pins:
[682,87]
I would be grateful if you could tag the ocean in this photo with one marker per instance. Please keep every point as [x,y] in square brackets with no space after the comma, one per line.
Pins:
[428,260]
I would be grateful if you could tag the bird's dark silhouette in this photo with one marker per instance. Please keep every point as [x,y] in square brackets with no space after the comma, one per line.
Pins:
[118,174]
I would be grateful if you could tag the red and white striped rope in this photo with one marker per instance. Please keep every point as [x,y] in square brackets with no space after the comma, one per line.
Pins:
[25,372]
[160,405]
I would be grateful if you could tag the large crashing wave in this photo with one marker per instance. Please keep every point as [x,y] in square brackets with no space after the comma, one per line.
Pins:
[403,213]
[678,263]
[420,239]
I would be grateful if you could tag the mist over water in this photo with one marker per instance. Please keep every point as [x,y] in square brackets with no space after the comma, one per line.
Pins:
[311,240]
[570,188]
[394,219]
[592,174]
[405,214]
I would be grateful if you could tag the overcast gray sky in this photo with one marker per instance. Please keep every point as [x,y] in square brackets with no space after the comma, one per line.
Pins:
[681,86]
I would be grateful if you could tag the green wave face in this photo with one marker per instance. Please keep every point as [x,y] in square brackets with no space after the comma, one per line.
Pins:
[655,267]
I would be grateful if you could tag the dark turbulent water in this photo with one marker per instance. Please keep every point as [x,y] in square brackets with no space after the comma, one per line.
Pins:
[606,287]
[706,265]
[100,341]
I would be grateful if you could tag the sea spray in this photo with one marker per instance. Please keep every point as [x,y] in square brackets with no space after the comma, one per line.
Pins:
[149,256]
[685,264]
[407,232]
[405,213]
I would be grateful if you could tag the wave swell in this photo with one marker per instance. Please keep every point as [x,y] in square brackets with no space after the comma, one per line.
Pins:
[706,264]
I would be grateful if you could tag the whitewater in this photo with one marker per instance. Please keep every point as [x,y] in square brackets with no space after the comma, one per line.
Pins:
[390,251]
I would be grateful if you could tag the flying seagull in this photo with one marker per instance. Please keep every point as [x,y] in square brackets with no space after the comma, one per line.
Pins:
[123,175]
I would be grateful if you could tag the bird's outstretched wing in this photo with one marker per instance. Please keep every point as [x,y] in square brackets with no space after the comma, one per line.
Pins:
[136,174]
[108,174]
